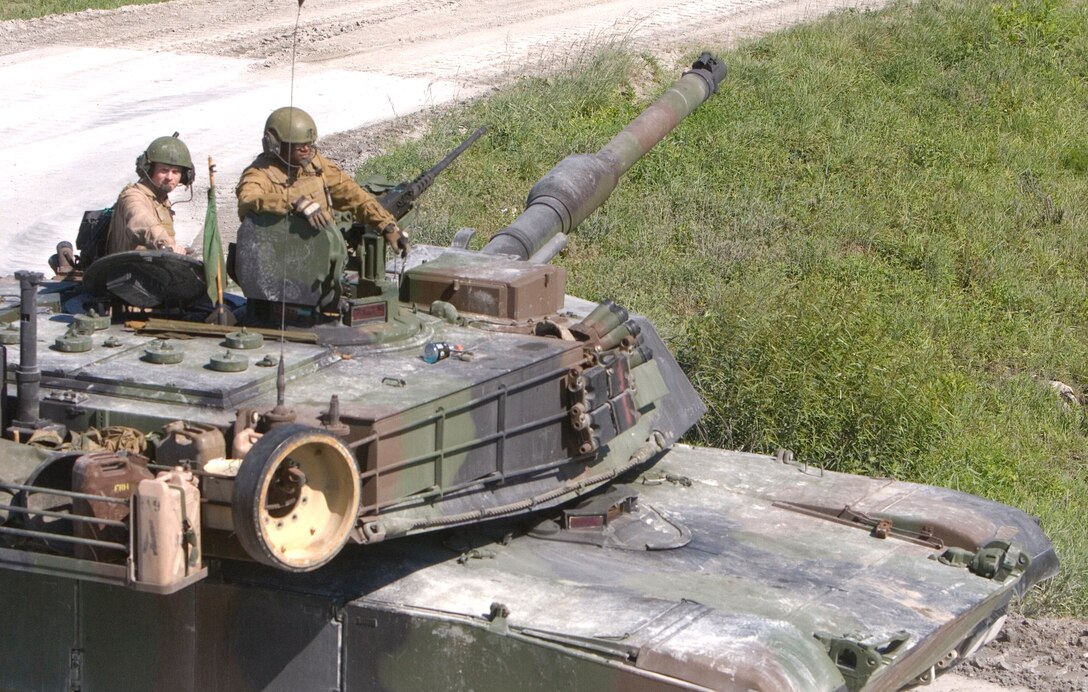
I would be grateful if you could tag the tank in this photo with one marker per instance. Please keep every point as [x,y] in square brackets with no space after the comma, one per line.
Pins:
[388,473]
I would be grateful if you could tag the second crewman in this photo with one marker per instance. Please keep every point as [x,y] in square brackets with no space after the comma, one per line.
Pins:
[292,177]
[142,218]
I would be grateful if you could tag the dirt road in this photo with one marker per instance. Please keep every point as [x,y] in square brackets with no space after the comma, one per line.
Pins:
[475,41]
[85,92]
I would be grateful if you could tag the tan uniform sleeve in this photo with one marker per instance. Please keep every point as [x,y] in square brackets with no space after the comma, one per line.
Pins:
[141,222]
[257,194]
[346,194]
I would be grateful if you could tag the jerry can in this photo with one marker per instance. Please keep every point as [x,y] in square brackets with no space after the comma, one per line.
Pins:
[110,475]
[167,528]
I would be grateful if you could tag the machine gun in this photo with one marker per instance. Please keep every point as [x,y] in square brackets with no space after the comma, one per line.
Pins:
[400,199]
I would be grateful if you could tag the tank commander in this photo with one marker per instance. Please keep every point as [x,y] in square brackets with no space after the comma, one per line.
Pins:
[292,177]
[142,218]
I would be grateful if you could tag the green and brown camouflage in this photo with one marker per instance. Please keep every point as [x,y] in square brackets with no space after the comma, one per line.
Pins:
[507,454]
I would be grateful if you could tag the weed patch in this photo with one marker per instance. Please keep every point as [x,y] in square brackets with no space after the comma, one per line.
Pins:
[29,9]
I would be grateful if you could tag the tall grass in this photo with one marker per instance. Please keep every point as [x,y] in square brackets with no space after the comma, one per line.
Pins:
[869,248]
[28,9]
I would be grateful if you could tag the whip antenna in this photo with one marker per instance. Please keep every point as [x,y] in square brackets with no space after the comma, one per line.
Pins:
[290,176]
[294,44]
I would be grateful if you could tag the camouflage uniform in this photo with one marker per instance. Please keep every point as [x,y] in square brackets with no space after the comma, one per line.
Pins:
[266,188]
[141,221]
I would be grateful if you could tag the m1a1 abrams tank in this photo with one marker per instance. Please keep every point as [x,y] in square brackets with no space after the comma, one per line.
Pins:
[506,454]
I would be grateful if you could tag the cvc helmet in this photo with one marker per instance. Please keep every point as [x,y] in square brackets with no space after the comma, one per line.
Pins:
[288,125]
[170,151]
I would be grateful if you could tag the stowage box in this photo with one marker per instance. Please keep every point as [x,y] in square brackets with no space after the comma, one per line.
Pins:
[498,288]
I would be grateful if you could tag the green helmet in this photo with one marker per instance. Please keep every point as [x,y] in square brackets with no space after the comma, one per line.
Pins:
[169,151]
[288,125]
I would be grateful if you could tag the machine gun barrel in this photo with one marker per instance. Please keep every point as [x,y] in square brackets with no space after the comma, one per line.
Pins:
[580,183]
[400,199]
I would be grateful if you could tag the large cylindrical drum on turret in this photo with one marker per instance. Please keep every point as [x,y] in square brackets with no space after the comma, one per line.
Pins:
[579,184]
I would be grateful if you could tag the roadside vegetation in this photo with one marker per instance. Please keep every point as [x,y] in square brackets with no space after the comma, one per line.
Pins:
[28,9]
[869,248]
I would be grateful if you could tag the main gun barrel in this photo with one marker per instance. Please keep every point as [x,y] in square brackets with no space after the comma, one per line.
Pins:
[580,183]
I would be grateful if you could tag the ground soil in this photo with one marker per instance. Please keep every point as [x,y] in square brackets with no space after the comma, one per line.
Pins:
[1040,654]
[484,44]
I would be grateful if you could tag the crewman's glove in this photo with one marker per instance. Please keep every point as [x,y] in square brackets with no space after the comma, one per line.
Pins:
[397,239]
[318,217]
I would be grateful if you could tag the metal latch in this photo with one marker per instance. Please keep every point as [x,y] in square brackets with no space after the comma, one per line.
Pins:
[66,396]
[75,670]
[497,617]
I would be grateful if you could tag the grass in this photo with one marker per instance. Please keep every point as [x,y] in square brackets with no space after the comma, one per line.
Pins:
[28,9]
[869,248]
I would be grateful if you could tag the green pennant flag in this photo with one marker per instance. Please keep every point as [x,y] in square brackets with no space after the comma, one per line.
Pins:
[213,246]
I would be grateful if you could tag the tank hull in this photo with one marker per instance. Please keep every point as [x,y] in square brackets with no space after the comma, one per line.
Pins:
[739,606]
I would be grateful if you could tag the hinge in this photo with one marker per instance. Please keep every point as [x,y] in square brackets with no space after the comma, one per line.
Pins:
[997,560]
[857,657]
